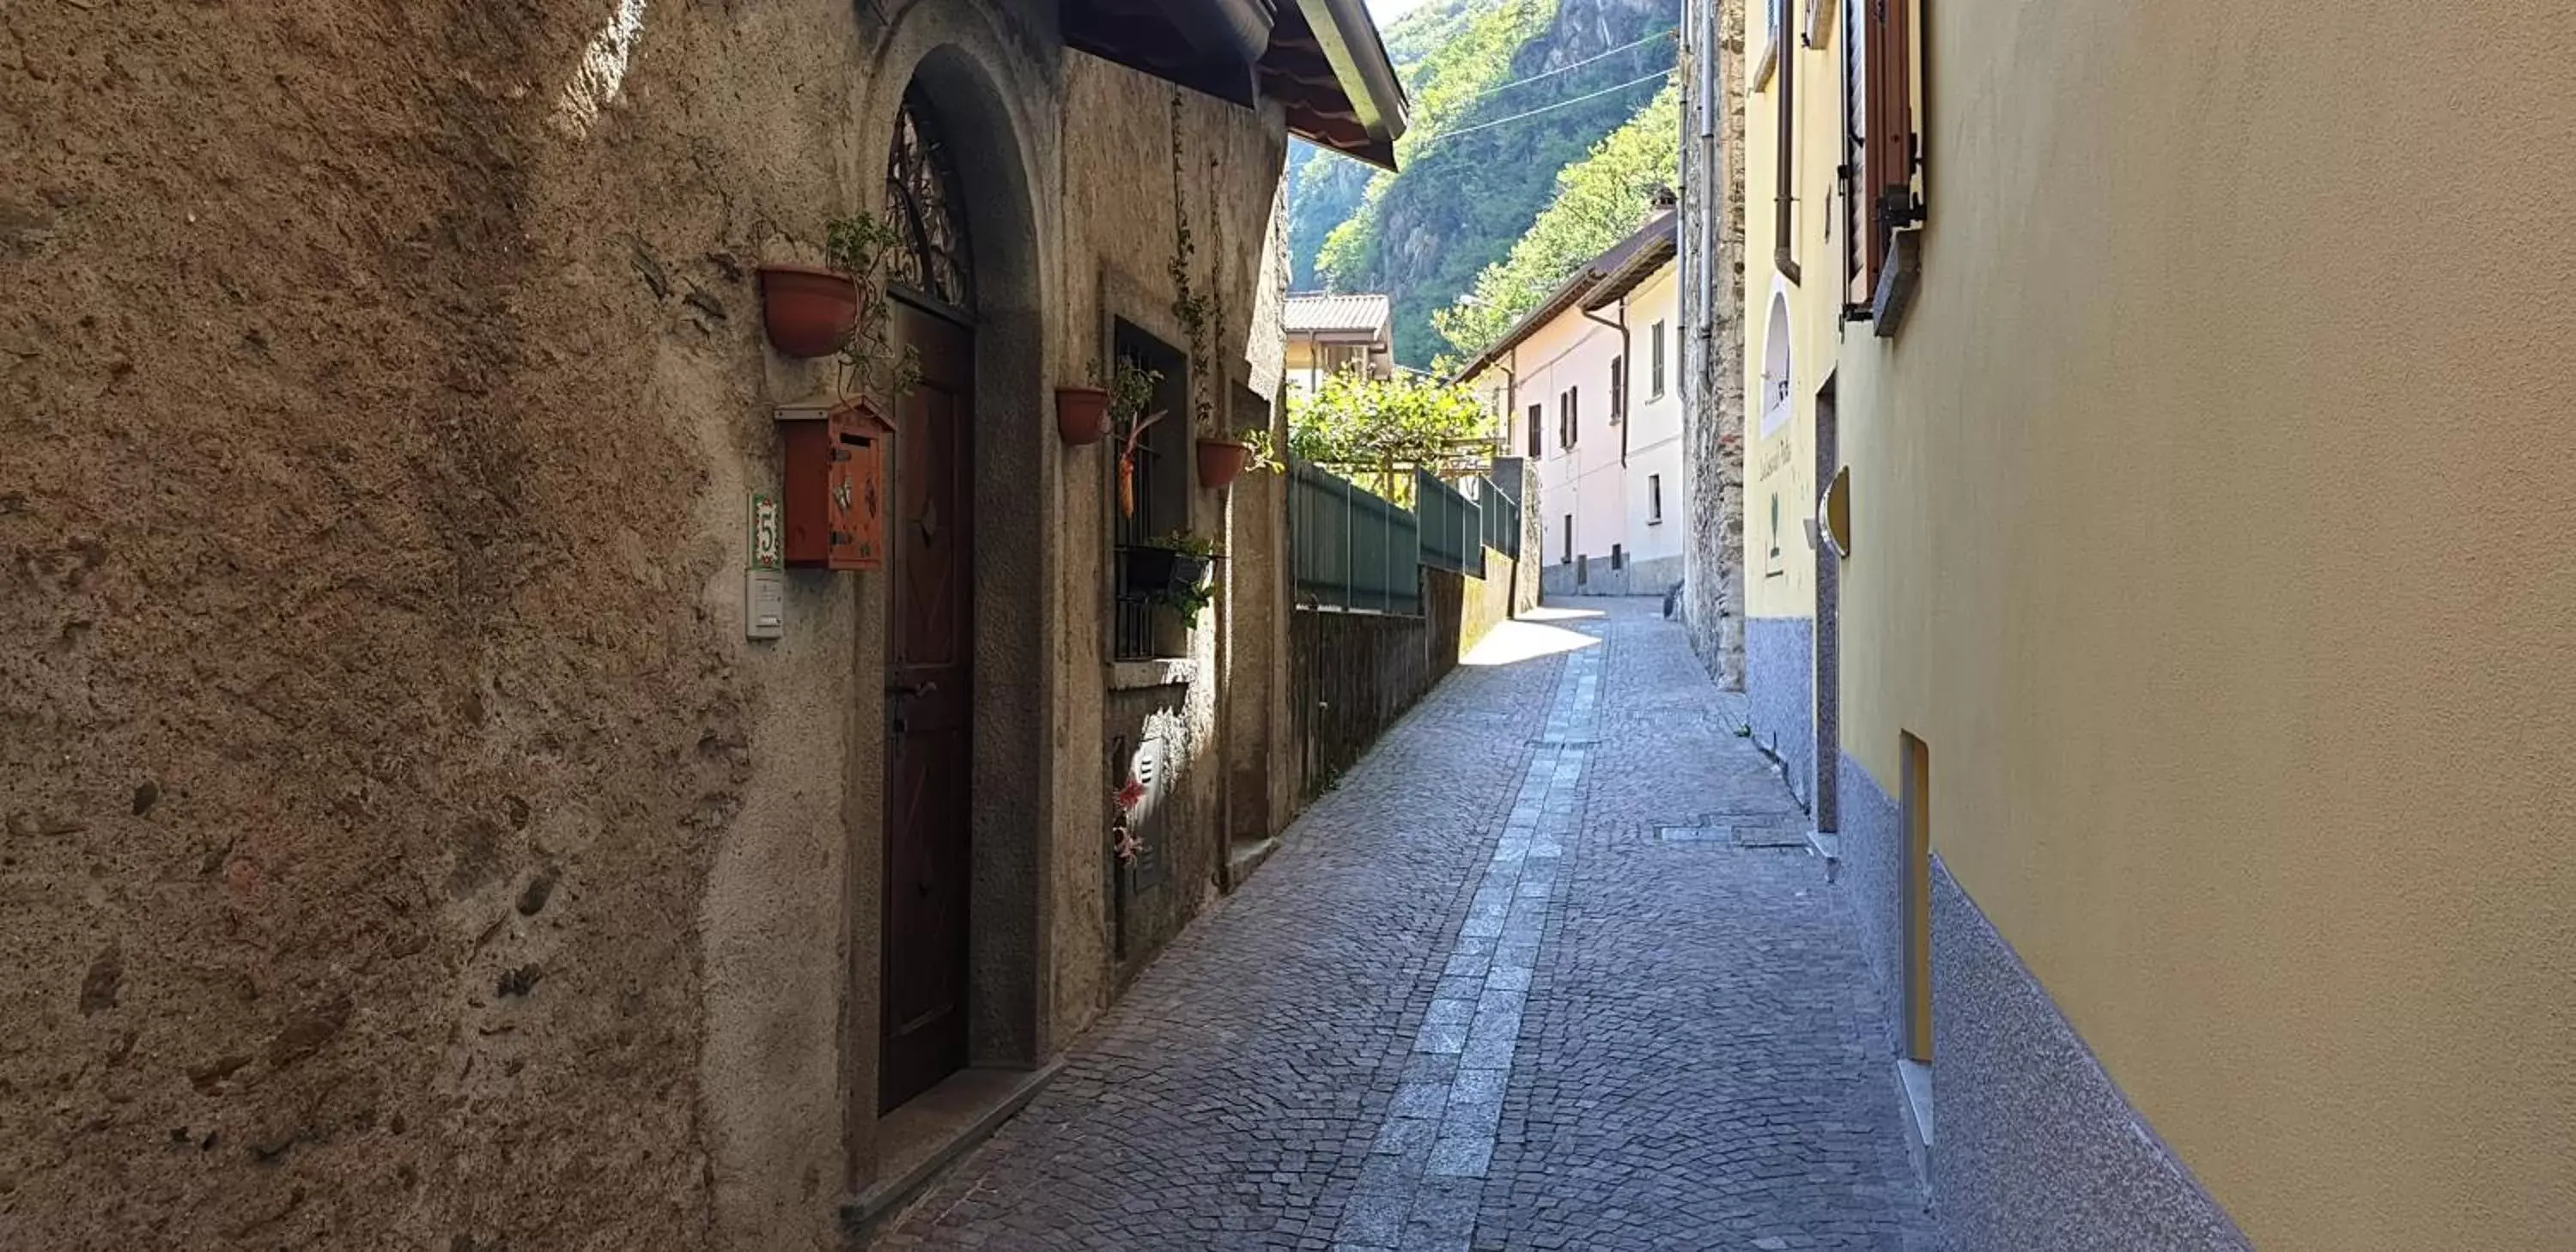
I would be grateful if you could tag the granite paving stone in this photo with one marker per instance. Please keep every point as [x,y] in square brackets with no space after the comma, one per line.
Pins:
[1476,1002]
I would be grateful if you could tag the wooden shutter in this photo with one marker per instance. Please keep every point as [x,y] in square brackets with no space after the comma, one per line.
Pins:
[1858,272]
[1887,142]
[1784,203]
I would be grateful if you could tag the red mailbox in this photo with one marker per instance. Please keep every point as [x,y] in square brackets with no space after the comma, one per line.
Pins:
[836,489]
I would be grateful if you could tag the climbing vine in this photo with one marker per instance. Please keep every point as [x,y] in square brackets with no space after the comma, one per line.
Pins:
[1200,312]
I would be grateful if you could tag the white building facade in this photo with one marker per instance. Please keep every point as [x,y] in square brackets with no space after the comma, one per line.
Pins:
[1587,386]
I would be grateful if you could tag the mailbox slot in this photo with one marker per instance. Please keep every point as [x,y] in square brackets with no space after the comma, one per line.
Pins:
[835,484]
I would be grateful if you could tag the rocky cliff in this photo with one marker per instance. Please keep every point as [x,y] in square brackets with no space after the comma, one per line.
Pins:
[1512,92]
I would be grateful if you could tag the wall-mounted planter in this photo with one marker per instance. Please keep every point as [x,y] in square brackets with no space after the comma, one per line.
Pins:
[807,311]
[1168,571]
[1221,461]
[1081,415]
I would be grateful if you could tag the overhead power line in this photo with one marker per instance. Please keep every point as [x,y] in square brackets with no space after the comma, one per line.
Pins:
[1666,72]
[1499,88]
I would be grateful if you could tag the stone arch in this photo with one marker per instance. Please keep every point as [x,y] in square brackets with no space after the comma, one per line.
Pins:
[1776,378]
[989,98]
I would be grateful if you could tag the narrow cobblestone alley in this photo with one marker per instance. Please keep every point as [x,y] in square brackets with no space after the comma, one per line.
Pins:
[1483,998]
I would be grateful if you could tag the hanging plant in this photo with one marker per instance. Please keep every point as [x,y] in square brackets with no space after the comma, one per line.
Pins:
[1131,388]
[1171,570]
[858,246]
[1195,310]
[1223,454]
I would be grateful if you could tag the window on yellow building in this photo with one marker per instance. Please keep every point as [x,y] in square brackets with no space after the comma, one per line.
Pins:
[1885,147]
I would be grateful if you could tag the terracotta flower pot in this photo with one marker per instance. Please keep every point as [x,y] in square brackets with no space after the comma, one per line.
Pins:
[1221,461]
[1081,415]
[808,312]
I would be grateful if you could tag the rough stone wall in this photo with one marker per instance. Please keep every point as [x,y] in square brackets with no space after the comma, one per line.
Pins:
[362,731]
[401,845]
[1713,342]
[1120,218]
[1518,477]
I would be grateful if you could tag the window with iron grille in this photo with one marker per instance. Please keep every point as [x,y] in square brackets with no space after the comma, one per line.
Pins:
[1654,499]
[1618,389]
[1535,447]
[1149,495]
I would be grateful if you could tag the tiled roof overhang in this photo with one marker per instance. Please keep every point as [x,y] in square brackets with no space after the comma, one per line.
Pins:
[1321,59]
[1604,272]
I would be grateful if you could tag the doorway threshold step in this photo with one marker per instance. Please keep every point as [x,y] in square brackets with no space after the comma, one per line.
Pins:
[928,1132]
[1243,856]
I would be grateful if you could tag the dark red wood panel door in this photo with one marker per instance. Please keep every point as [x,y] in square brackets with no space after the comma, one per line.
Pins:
[929,713]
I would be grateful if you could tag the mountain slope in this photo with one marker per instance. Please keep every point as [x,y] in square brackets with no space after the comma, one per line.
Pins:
[1599,200]
[1505,95]
[1324,188]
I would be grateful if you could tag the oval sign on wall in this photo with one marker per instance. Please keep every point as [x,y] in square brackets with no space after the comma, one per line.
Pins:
[1833,513]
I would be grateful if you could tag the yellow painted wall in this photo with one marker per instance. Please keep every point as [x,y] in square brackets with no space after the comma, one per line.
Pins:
[1782,464]
[2216,527]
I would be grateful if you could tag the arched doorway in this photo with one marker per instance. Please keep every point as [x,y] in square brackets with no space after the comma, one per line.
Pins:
[926,947]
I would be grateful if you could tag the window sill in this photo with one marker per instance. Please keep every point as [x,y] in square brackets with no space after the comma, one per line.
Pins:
[1171,671]
[1895,294]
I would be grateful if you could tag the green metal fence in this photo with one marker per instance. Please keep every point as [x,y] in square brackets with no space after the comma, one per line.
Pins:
[1501,515]
[1452,527]
[1350,548]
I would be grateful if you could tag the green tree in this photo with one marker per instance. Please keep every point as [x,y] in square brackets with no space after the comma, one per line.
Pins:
[1599,200]
[1386,425]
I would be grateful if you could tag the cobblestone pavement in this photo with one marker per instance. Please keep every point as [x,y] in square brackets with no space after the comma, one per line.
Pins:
[1526,980]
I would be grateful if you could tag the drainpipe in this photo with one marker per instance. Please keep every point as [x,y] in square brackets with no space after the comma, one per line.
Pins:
[1626,385]
[1784,207]
[1511,398]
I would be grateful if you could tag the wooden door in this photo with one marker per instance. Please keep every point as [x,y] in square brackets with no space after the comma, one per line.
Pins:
[929,701]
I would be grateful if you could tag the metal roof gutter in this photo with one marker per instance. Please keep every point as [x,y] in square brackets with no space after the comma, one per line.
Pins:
[1358,56]
[1231,32]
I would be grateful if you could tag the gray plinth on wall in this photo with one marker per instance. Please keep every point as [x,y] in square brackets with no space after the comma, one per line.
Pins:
[1872,883]
[1779,685]
[2038,1150]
